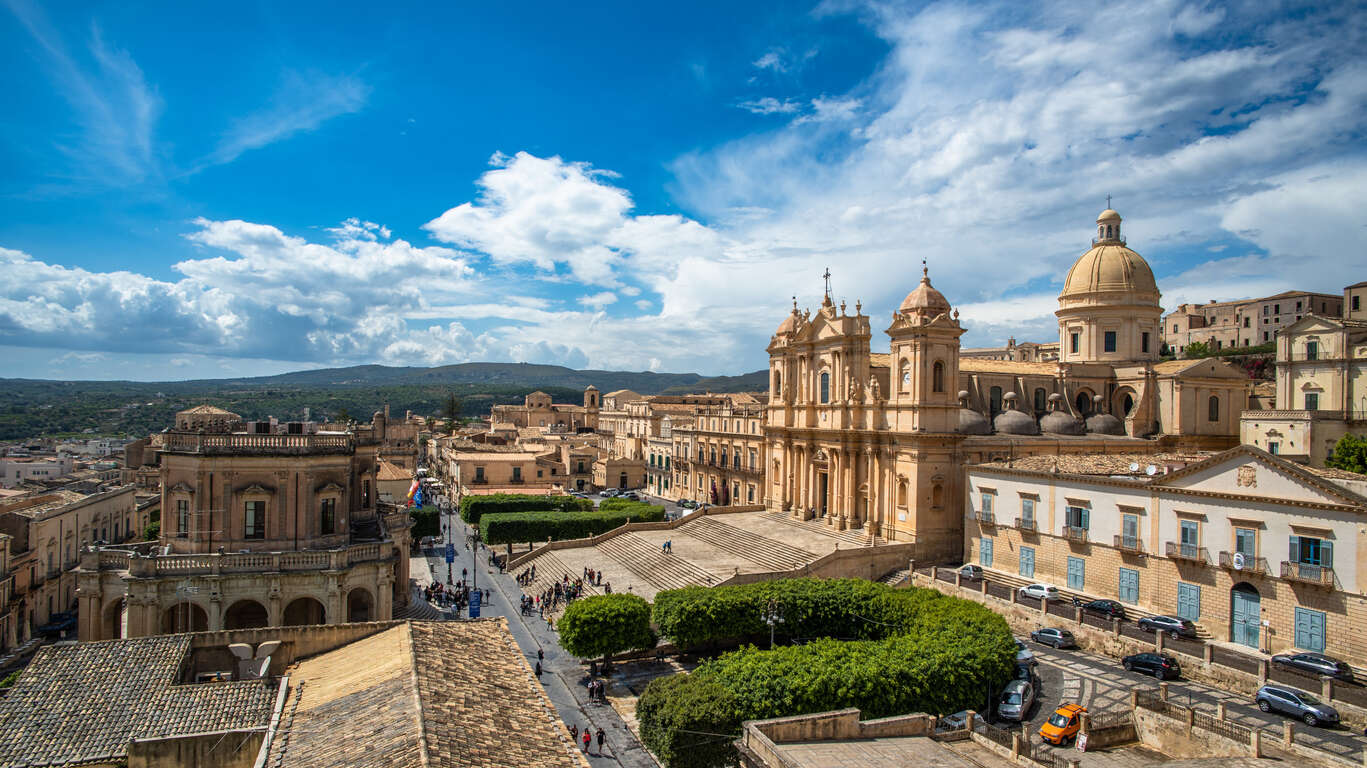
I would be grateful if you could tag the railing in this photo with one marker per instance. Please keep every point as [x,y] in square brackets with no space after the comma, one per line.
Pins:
[244,562]
[1129,543]
[1230,730]
[1075,534]
[1291,413]
[1026,523]
[516,481]
[194,442]
[1249,564]
[1306,573]
[1110,719]
[985,517]
[479,481]
[1189,552]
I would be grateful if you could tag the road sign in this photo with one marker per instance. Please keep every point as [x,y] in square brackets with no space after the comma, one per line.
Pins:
[450,552]
[474,604]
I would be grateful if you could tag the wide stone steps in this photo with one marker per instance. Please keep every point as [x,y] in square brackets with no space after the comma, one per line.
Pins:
[853,536]
[897,578]
[549,570]
[751,546]
[661,570]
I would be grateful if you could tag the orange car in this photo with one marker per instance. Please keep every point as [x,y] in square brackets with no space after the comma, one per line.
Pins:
[1063,724]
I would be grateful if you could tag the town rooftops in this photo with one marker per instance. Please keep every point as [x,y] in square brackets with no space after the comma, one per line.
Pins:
[1108,465]
[80,704]
[390,471]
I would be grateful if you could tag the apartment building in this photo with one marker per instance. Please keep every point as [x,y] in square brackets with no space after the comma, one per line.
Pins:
[720,457]
[1246,322]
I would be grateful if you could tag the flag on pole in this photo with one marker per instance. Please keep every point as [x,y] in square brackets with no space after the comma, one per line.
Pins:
[414,490]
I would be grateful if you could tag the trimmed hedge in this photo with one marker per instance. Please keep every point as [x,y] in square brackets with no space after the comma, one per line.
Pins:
[426,522]
[918,651]
[472,508]
[602,625]
[517,527]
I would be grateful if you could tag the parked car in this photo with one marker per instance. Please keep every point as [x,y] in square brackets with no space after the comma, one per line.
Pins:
[688,504]
[634,496]
[1315,664]
[1108,608]
[608,493]
[1059,638]
[1160,665]
[1063,724]
[1016,700]
[1276,698]
[1172,625]
[971,572]
[1043,592]
[1023,654]
[1026,672]
[952,722]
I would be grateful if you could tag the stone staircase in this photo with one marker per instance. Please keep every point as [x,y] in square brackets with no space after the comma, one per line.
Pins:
[753,547]
[418,609]
[897,578]
[549,570]
[852,536]
[660,570]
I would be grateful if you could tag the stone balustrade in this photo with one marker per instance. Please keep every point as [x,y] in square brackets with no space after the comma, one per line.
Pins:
[234,562]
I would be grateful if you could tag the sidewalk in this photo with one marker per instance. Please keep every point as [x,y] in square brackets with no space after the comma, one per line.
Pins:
[563,677]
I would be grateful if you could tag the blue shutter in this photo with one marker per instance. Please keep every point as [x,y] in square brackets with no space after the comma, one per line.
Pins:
[1295,554]
[1326,553]
[1086,518]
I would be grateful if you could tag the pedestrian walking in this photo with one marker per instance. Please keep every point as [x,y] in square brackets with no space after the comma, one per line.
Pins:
[602,738]
[574,733]
[588,738]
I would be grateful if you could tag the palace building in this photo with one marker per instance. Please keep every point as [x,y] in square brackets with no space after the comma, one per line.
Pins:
[879,441]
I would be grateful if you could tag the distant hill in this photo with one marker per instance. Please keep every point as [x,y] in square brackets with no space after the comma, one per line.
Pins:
[35,407]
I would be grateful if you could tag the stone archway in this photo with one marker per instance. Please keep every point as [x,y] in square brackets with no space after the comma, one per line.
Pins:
[1083,401]
[246,614]
[1123,402]
[304,610]
[360,605]
[112,622]
[184,617]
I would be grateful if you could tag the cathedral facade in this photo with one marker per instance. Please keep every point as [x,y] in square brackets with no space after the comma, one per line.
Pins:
[880,441]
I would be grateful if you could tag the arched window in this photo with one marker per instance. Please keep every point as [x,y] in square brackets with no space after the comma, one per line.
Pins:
[778,383]
[937,377]
[995,401]
[825,387]
[1084,403]
[937,495]
[1040,400]
[1213,409]
[904,376]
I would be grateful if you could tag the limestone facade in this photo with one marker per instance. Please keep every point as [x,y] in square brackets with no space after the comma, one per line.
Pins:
[258,529]
[1255,549]
[537,410]
[880,441]
[1244,323]
[719,458]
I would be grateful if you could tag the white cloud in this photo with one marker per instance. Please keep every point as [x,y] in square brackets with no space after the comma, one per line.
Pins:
[768,105]
[303,102]
[772,60]
[598,300]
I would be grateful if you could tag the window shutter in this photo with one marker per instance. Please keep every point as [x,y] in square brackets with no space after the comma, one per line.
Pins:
[1086,518]
[1327,554]
[1295,554]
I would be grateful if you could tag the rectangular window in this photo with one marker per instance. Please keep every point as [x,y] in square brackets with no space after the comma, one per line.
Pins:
[1312,350]
[479,474]
[987,504]
[1109,340]
[365,493]
[1266,309]
[327,516]
[1144,341]
[1312,401]
[1246,542]
[1078,517]
[1311,556]
[1356,306]
[1276,309]
[1310,629]
[1027,568]
[1298,306]
[1128,586]
[1188,602]
[1076,573]
[1074,342]
[1245,322]
[985,554]
[517,474]
[182,516]
[1191,537]
[1129,527]
[1274,448]
[1028,511]
[254,526]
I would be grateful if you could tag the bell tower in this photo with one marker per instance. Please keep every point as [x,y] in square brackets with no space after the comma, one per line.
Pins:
[925,335]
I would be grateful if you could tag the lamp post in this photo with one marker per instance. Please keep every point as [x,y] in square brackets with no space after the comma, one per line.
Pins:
[773,616]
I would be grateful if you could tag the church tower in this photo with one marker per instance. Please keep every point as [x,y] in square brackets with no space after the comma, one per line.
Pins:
[924,378]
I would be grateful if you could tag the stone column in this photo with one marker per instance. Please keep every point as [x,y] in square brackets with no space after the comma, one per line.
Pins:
[336,608]
[215,613]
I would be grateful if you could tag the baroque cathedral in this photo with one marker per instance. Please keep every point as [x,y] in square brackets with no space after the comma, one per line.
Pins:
[879,441]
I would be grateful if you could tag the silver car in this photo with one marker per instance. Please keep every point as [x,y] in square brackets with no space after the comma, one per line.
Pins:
[1016,700]
[1276,698]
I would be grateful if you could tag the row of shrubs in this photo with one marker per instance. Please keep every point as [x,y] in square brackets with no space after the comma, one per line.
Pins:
[517,527]
[473,508]
[917,651]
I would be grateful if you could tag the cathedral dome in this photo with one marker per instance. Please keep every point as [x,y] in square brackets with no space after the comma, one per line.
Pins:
[1060,423]
[1104,424]
[1015,422]
[1110,267]
[924,300]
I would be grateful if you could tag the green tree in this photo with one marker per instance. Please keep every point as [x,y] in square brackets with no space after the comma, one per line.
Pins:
[1196,349]
[606,624]
[452,411]
[342,416]
[152,532]
[1350,454]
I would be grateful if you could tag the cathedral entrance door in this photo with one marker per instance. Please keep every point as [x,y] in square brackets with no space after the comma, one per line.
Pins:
[824,492]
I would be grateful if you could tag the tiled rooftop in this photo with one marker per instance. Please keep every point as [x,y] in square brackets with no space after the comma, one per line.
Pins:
[1101,464]
[83,703]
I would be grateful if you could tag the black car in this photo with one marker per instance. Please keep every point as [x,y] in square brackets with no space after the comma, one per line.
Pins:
[1059,638]
[1108,608]
[1160,665]
[1315,664]
[1171,625]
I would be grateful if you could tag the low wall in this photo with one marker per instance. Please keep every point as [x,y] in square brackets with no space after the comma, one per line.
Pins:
[209,650]
[762,737]
[852,563]
[1180,741]
[213,749]
[1111,734]
[518,560]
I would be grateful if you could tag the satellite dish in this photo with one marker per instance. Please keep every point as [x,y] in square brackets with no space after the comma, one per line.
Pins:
[1151,470]
[1134,466]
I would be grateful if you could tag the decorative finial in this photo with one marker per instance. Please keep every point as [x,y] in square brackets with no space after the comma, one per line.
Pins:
[794,303]
[925,271]
[842,306]
[858,306]
[827,277]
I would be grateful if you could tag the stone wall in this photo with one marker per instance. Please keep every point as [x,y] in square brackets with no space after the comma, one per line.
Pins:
[214,749]
[761,737]
[1180,741]
[854,563]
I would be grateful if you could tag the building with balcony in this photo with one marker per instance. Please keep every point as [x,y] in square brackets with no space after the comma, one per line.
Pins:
[1254,549]
[268,527]
[1246,322]
[720,457]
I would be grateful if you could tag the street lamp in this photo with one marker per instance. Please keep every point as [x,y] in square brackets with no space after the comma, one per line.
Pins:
[773,616]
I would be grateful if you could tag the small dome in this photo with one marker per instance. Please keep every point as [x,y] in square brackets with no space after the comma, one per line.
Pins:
[1013,422]
[1107,216]
[1060,423]
[924,300]
[973,423]
[1104,424]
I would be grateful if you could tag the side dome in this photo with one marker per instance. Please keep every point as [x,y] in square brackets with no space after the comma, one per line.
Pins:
[1104,424]
[973,423]
[1057,421]
[1015,422]
[924,300]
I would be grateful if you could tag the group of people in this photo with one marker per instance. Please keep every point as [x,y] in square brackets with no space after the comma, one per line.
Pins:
[598,690]
[667,547]
[563,591]
[452,595]
[587,737]
[527,576]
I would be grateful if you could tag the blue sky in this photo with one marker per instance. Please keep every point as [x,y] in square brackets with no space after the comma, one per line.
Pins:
[198,191]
